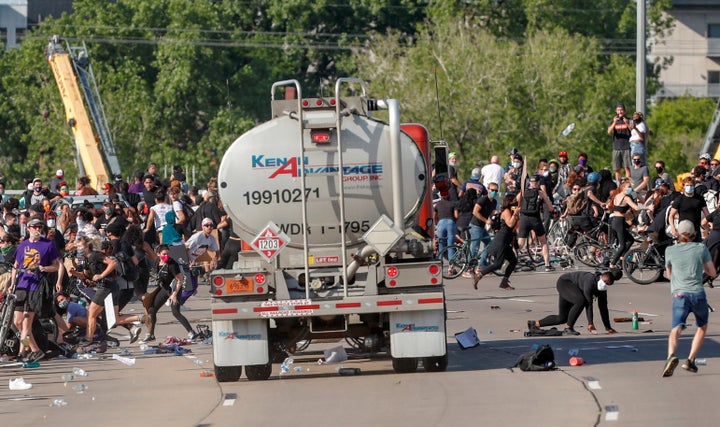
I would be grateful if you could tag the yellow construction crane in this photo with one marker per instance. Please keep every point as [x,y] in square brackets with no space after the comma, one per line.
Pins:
[75,79]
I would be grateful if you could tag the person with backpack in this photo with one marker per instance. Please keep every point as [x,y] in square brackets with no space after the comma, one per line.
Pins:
[531,201]
[576,291]
[183,213]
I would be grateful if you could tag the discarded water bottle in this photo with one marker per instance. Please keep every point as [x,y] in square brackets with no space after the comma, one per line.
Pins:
[143,347]
[58,402]
[80,372]
[568,129]
[288,361]
[79,388]
[126,360]
[125,352]
[701,362]
[298,369]
[67,377]
[84,356]
[198,362]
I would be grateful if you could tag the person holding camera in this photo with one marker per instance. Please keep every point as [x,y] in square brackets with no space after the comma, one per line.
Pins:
[620,130]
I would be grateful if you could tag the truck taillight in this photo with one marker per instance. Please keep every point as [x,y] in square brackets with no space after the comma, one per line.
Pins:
[320,136]
[259,278]
[392,272]
[434,269]
[218,281]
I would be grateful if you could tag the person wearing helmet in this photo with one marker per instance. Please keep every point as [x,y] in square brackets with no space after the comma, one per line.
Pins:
[564,168]
[473,182]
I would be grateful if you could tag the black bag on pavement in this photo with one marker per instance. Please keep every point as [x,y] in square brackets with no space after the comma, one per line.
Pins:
[542,359]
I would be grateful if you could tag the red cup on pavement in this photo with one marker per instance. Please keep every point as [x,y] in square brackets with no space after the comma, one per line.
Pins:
[576,361]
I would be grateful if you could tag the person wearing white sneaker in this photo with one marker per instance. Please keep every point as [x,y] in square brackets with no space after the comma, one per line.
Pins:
[685,264]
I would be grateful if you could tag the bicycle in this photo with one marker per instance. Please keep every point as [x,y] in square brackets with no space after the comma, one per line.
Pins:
[462,259]
[646,264]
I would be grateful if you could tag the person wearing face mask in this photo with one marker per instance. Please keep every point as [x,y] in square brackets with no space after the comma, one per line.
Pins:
[690,206]
[484,207]
[621,201]
[685,264]
[501,248]
[577,291]
[167,276]
[661,174]
[38,193]
[640,177]
[38,257]
[554,173]
[583,164]
[513,175]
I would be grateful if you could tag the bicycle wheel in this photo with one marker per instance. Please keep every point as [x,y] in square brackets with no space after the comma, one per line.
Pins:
[556,234]
[590,254]
[455,266]
[642,267]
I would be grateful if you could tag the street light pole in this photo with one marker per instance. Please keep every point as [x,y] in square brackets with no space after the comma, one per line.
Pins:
[640,89]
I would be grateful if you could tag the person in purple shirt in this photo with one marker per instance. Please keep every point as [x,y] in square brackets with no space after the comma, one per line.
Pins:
[35,256]
[137,186]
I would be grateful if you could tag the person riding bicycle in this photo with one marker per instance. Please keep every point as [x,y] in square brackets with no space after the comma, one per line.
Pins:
[587,218]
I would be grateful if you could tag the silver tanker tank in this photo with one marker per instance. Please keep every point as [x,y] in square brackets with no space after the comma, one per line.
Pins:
[260,180]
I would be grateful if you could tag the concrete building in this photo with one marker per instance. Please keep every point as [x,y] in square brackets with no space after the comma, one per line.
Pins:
[694,46]
[17,16]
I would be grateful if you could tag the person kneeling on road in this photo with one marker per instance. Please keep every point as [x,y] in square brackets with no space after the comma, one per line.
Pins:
[576,291]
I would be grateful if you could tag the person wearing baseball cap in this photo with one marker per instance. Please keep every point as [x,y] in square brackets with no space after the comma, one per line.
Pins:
[38,256]
[685,263]
[55,182]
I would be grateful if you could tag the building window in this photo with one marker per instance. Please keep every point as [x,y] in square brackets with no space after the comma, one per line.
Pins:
[713,31]
[713,77]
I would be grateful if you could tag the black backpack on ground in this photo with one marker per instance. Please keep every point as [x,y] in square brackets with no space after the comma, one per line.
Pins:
[542,359]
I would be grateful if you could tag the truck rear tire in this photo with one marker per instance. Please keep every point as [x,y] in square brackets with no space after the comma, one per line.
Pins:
[404,365]
[435,364]
[258,372]
[226,374]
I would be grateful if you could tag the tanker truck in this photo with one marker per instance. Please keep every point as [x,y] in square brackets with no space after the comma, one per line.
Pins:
[335,206]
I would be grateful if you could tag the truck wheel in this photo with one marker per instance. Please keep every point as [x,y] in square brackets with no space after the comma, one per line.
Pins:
[436,364]
[258,372]
[227,373]
[404,365]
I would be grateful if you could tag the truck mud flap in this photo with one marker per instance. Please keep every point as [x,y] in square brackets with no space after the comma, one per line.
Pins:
[418,333]
[240,342]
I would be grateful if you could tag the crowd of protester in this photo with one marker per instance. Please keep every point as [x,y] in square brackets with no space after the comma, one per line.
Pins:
[120,247]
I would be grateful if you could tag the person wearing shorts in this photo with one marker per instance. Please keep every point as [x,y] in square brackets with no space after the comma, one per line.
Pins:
[685,264]
[620,130]
[532,220]
[36,256]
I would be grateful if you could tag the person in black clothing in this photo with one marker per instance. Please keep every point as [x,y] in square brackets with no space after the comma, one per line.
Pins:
[501,247]
[576,291]
[621,201]
[531,201]
[148,193]
[620,130]
[689,206]
[167,275]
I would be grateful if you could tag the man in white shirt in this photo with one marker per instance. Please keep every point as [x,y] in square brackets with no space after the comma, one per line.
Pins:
[492,172]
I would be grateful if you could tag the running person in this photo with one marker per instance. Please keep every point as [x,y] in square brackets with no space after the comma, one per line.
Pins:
[165,272]
[501,247]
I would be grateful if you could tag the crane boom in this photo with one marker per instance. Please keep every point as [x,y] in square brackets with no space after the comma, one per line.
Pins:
[68,70]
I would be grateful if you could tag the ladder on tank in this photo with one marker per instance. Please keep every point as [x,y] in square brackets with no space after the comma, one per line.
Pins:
[306,146]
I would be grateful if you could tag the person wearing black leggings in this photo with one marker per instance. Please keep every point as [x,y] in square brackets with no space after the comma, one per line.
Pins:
[621,200]
[169,278]
[576,292]
[501,247]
